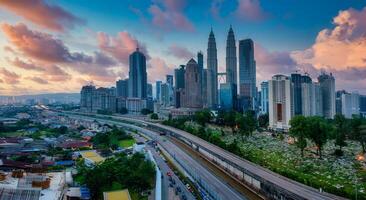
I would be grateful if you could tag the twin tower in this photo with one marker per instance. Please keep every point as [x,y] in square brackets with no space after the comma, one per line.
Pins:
[247,75]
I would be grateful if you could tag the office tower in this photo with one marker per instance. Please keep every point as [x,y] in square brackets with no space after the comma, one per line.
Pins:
[158,90]
[311,99]
[170,82]
[363,105]
[350,104]
[264,97]
[247,74]
[231,72]
[165,95]
[338,102]
[327,85]
[149,90]
[212,98]
[227,96]
[297,80]
[122,88]
[86,98]
[200,62]
[179,77]
[137,82]
[280,101]
[204,88]
[192,95]
[179,85]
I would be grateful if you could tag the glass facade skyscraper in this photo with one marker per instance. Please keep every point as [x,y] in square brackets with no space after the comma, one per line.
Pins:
[212,85]
[247,75]
[137,82]
[297,80]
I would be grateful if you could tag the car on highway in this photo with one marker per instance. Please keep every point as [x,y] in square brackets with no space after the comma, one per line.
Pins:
[169,173]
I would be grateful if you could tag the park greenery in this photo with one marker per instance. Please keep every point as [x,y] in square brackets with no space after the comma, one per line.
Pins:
[111,139]
[120,172]
[328,148]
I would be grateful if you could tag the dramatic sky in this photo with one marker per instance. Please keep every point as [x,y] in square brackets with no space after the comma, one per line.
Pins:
[57,46]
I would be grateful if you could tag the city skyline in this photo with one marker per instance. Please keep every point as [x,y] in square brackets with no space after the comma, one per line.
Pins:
[81,49]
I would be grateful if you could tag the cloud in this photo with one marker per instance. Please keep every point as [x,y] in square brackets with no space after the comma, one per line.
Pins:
[9,77]
[51,54]
[250,10]
[121,46]
[43,14]
[340,48]
[157,69]
[169,15]
[216,8]
[179,52]
[24,65]
[37,80]
[40,45]
[270,63]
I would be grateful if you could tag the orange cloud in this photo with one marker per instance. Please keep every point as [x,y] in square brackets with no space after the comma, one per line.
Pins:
[43,14]
[121,46]
[340,48]
[9,77]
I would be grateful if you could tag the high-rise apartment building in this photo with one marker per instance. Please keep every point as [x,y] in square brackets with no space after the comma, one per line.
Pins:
[350,104]
[137,82]
[280,93]
[327,85]
[311,99]
[179,85]
[212,85]
[247,75]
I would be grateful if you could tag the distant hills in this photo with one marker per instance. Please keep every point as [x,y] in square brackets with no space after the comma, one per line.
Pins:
[44,98]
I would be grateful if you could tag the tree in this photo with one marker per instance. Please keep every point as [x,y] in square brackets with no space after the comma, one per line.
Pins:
[203,116]
[232,119]
[341,127]
[299,130]
[251,120]
[154,116]
[319,131]
[358,131]
[263,121]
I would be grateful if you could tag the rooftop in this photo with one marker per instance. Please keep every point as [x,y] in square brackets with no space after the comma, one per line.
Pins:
[92,155]
[117,195]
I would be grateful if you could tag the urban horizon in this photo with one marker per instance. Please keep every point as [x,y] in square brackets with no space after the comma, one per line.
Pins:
[71,61]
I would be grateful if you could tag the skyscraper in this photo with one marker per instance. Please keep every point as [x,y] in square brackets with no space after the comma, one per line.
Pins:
[192,95]
[297,80]
[149,90]
[264,97]
[247,74]
[327,85]
[200,62]
[350,104]
[179,85]
[212,98]
[227,96]
[280,93]
[137,82]
[311,99]
[158,90]
[122,88]
[231,72]
[170,82]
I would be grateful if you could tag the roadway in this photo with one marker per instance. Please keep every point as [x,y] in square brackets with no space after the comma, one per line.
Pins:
[216,187]
[282,182]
